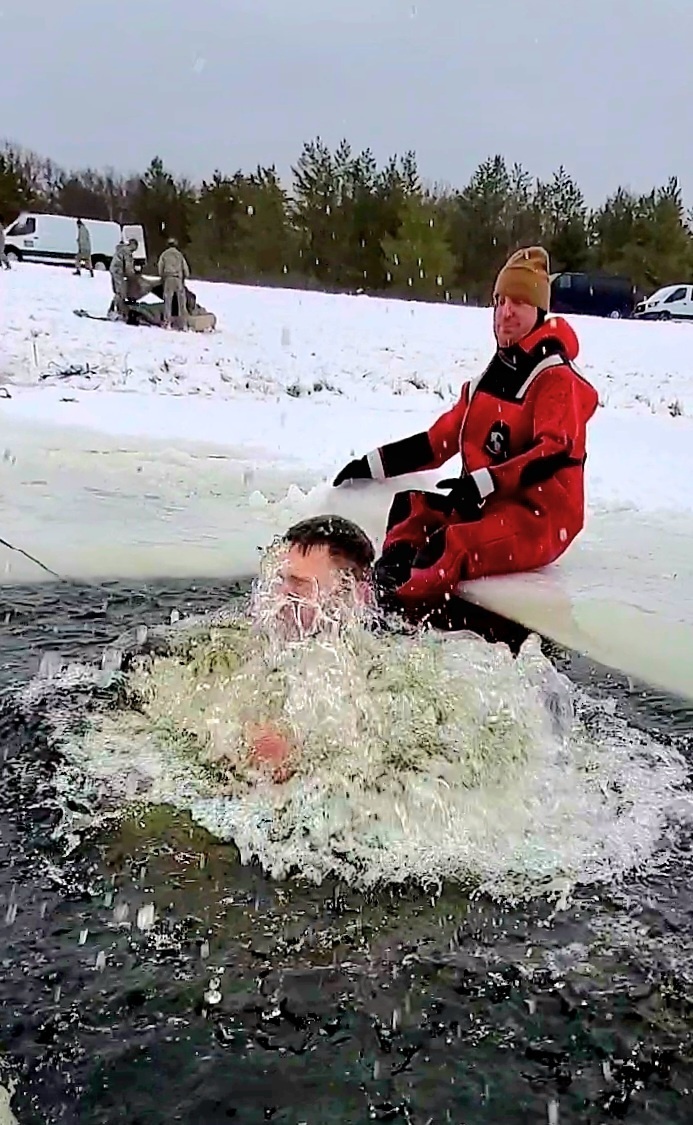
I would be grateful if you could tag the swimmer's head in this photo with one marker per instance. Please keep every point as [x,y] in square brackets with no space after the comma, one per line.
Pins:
[319,572]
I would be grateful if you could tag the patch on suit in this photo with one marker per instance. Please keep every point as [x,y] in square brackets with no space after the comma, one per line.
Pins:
[498,441]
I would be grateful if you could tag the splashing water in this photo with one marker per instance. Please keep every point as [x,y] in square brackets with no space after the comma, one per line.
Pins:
[415,758]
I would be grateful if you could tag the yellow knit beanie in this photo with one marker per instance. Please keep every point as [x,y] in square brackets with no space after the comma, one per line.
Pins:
[525,277]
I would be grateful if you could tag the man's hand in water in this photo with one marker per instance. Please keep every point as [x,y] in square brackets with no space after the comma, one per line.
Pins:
[271,752]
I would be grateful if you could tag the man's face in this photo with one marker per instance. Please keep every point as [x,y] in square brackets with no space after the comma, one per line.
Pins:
[310,582]
[512,321]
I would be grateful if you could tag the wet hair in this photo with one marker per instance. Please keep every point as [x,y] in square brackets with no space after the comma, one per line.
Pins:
[345,541]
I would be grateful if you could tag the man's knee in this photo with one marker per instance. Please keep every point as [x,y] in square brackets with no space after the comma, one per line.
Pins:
[400,509]
[433,550]
[428,507]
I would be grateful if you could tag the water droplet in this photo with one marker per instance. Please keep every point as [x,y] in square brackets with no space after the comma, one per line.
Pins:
[146,916]
[112,659]
[213,995]
[121,912]
[132,783]
[51,665]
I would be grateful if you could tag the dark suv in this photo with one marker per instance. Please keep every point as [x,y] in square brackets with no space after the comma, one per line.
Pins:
[593,294]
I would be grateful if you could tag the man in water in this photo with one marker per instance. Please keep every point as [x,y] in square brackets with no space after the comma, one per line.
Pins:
[520,429]
[322,570]
[315,584]
[320,577]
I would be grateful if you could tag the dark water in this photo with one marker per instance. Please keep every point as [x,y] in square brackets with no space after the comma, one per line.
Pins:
[333,1007]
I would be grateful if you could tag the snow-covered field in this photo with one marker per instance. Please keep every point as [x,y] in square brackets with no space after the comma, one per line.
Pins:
[304,378]
[182,454]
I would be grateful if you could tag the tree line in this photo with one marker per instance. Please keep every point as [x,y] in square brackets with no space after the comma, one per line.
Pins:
[346,223]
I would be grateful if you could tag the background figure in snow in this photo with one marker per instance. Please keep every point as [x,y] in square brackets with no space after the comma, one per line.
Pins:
[4,260]
[520,429]
[122,270]
[174,271]
[83,249]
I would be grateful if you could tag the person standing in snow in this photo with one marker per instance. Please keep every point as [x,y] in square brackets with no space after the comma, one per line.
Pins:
[83,249]
[520,428]
[4,260]
[122,269]
[174,271]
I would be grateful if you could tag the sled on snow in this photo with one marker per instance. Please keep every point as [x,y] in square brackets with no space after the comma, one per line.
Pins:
[139,311]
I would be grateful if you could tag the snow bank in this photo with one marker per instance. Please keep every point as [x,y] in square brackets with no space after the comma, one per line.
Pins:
[322,346]
[302,381]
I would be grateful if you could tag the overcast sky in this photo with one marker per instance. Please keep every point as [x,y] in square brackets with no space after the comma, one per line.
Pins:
[604,87]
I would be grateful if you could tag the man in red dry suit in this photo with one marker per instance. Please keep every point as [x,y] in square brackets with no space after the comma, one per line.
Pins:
[520,429]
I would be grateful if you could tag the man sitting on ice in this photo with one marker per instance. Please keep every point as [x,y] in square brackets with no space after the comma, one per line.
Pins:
[520,429]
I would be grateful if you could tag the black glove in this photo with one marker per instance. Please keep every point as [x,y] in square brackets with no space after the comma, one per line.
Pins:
[355,470]
[465,498]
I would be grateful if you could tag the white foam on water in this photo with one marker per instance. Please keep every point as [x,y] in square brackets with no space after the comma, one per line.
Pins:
[420,759]
[6,1115]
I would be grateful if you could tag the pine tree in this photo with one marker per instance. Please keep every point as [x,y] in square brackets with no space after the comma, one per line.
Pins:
[318,209]
[15,190]
[646,238]
[267,243]
[82,194]
[493,216]
[419,258]
[562,214]
[214,233]
[165,207]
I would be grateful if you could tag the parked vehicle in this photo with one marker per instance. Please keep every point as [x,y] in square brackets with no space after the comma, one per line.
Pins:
[33,237]
[593,294]
[672,302]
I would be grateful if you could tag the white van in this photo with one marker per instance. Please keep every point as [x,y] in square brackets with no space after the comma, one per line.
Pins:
[673,302]
[53,238]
